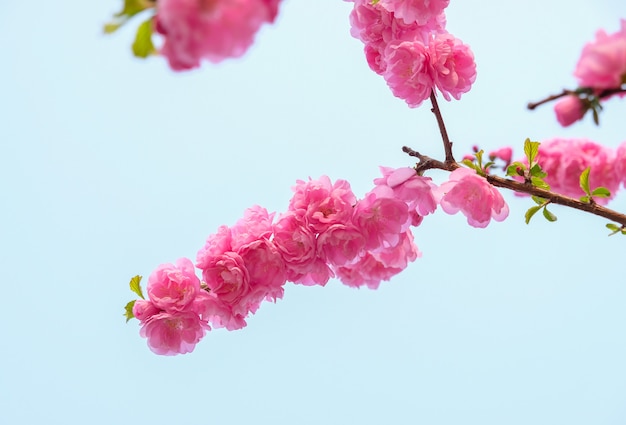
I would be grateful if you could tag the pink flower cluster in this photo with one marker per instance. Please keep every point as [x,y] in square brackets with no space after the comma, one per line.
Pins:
[565,159]
[209,29]
[172,319]
[602,66]
[406,42]
[326,232]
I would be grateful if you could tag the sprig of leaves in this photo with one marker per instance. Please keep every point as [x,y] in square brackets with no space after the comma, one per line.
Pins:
[541,204]
[135,286]
[477,164]
[130,9]
[533,173]
[615,228]
[599,192]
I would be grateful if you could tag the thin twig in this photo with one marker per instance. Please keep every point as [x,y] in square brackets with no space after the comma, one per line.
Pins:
[447,144]
[426,163]
[601,95]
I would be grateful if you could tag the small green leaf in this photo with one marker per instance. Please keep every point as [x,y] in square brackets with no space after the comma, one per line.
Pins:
[601,192]
[128,310]
[538,200]
[596,118]
[143,46]
[136,287]
[584,181]
[531,211]
[538,182]
[512,169]
[537,171]
[130,9]
[470,164]
[531,149]
[548,215]
[586,199]
[613,227]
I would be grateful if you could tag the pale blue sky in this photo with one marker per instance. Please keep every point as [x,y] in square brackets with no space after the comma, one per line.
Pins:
[112,165]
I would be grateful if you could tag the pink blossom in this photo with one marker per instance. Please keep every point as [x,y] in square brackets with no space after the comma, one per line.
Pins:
[320,203]
[419,11]
[209,29]
[381,264]
[217,312]
[569,110]
[565,159]
[216,244]
[406,185]
[255,224]
[173,333]
[471,194]
[267,272]
[505,154]
[454,69]
[297,245]
[144,310]
[228,279]
[172,287]
[602,64]
[407,72]
[380,220]
[340,244]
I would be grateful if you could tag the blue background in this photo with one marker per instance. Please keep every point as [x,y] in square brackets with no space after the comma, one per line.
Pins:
[111,165]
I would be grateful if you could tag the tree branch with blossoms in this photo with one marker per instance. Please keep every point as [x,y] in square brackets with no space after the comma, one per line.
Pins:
[326,231]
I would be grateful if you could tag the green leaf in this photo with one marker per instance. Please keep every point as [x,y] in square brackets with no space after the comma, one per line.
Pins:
[584,181]
[531,211]
[136,287]
[586,199]
[470,164]
[596,118]
[130,9]
[548,215]
[613,227]
[531,149]
[538,200]
[512,169]
[601,192]
[128,310]
[538,182]
[537,171]
[143,46]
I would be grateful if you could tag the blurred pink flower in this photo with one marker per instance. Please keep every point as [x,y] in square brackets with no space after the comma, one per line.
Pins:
[569,110]
[209,29]
[620,163]
[505,154]
[602,64]
[471,194]
[565,159]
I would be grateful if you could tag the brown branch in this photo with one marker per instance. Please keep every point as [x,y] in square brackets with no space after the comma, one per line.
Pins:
[447,144]
[601,95]
[426,163]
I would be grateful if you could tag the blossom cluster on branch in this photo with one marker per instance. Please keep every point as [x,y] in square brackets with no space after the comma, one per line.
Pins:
[326,232]
[601,74]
